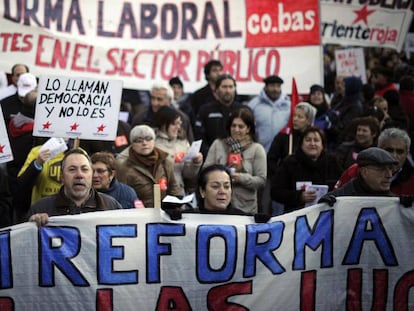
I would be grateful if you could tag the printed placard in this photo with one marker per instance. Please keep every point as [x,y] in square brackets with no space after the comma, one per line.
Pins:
[5,148]
[351,63]
[77,108]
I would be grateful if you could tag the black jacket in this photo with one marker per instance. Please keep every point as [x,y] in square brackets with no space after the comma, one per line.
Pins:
[299,167]
[58,204]
[5,199]
[211,123]
[279,150]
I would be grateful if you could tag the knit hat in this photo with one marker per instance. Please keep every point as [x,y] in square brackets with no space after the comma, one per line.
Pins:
[375,156]
[353,85]
[316,87]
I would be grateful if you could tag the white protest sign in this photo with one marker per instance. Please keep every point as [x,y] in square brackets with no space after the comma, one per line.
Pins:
[351,63]
[77,108]
[5,148]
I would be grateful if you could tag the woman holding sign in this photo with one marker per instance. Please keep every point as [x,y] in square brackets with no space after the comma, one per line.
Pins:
[294,182]
[170,137]
[147,165]
[245,158]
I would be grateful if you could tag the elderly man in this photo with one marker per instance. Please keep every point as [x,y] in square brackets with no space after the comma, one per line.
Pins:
[162,95]
[14,104]
[375,171]
[76,196]
[397,143]
[16,71]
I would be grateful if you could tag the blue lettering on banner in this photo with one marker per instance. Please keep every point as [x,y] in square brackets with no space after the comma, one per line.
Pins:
[263,251]
[107,253]
[57,245]
[369,227]
[6,280]
[320,234]
[155,248]
[205,272]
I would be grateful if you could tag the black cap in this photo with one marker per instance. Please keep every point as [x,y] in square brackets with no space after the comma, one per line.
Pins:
[176,80]
[272,79]
[317,87]
[375,156]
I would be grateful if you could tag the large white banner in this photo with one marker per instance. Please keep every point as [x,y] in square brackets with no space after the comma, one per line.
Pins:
[142,41]
[366,23]
[357,255]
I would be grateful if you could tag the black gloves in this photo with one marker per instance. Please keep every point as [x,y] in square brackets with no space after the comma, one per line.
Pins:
[406,200]
[329,199]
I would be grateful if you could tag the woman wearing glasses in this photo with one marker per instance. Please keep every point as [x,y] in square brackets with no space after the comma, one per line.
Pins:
[147,165]
[171,138]
[104,180]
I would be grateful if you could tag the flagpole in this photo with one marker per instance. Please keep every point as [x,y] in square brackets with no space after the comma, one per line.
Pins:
[290,143]
[294,100]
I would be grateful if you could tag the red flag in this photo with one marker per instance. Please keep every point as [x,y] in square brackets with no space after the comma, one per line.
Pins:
[294,100]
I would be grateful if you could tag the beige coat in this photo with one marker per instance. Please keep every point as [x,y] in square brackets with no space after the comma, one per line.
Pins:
[136,175]
[185,171]
[252,177]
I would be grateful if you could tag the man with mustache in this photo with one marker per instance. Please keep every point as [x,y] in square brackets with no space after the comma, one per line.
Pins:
[76,196]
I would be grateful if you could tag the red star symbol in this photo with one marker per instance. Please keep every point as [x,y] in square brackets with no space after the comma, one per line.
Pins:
[362,14]
[101,128]
[46,125]
[74,127]
[2,148]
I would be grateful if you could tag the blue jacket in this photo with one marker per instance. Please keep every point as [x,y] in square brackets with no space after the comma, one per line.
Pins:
[271,116]
[123,193]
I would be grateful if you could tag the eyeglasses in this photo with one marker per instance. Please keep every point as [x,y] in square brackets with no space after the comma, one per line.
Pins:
[178,122]
[141,139]
[100,171]
[395,150]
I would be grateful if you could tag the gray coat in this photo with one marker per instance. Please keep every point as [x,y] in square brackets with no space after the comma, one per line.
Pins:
[252,177]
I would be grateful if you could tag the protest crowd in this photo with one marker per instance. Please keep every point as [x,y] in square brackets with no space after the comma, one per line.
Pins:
[344,138]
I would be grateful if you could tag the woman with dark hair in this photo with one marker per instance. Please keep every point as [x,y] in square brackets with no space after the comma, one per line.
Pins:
[170,138]
[214,191]
[318,100]
[310,164]
[245,158]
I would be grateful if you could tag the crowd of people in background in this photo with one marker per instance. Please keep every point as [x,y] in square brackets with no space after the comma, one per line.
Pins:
[347,138]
